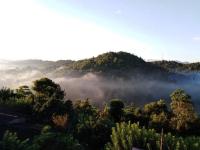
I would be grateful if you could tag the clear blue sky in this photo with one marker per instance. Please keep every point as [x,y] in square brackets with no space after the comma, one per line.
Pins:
[152,29]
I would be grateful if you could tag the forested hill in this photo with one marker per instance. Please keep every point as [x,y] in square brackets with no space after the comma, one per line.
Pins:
[110,60]
[117,63]
[178,66]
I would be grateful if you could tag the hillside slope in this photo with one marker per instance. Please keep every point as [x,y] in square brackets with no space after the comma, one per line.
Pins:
[178,66]
[119,64]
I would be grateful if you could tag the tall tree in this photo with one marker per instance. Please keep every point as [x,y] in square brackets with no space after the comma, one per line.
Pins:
[116,109]
[48,97]
[182,109]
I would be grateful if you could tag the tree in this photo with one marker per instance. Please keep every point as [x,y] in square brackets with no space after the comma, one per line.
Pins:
[6,95]
[84,110]
[158,114]
[24,92]
[93,128]
[182,109]
[156,107]
[116,109]
[47,88]
[48,98]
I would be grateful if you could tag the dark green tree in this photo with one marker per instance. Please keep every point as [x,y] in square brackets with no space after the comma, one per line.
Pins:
[48,98]
[93,128]
[46,88]
[116,109]
[7,96]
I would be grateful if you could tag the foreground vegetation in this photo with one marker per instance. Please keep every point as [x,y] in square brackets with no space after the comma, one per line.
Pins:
[80,125]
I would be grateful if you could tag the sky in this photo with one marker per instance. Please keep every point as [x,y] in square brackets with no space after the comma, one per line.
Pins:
[78,29]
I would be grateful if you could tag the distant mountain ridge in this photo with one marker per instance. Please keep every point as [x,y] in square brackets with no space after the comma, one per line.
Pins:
[114,62]
[178,66]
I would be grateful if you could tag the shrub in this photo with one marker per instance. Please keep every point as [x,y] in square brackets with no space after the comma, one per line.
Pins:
[125,136]
[11,141]
[55,141]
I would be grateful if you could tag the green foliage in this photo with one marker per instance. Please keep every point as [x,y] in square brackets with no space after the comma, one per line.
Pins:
[180,95]
[182,109]
[135,114]
[46,129]
[177,66]
[159,121]
[84,110]
[48,98]
[45,141]
[158,114]
[92,128]
[24,92]
[7,96]
[46,88]
[55,141]
[155,107]
[125,136]
[94,133]
[11,141]
[116,109]
[111,60]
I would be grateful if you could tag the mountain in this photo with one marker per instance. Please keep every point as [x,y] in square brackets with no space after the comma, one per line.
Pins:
[111,60]
[178,66]
[119,64]
[38,64]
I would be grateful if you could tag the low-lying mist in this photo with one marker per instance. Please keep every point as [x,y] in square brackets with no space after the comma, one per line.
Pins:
[99,88]
[138,91]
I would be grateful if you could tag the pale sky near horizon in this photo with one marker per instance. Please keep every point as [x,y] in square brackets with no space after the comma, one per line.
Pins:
[76,29]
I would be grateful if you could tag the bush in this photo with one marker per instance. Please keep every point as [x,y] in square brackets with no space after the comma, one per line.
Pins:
[11,141]
[116,109]
[55,141]
[125,136]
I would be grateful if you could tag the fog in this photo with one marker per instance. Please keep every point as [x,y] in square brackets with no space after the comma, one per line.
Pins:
[133,90]
[100,89]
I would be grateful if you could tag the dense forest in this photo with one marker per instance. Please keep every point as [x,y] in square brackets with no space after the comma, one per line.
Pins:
[46,120]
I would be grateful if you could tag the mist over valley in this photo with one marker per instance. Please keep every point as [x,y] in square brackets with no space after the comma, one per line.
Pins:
[110,75]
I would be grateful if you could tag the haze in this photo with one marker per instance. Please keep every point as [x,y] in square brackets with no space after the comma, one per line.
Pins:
[53,30]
